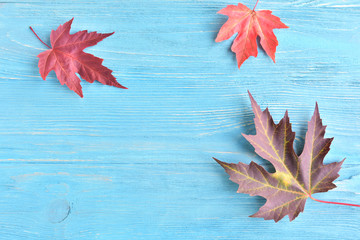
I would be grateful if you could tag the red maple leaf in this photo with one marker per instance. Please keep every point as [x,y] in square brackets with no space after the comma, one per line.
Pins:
[66,58]
[249,24]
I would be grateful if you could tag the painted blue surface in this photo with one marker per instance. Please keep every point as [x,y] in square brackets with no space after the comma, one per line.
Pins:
[136,164]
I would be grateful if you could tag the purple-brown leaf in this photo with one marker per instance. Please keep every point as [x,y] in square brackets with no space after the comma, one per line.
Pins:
[296,177]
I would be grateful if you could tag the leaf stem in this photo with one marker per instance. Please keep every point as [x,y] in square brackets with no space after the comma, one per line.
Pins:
[339,203]
[255,5]
[39,37]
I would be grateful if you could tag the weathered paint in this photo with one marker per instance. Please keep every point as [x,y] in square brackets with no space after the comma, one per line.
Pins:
[137,163]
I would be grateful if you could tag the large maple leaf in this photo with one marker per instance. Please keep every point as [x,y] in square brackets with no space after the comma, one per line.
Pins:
[296,178]
[249,24]
[66,58]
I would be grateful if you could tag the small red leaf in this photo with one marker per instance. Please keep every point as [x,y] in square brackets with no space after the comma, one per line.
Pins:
[66,57]
[249,24]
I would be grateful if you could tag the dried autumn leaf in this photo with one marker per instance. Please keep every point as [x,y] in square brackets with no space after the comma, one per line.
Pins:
[66,58]
[249,24]
[296,177]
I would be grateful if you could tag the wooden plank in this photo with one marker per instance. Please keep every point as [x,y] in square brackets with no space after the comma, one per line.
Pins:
[136,164]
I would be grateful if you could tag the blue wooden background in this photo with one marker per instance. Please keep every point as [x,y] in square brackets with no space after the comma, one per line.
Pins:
[137,163]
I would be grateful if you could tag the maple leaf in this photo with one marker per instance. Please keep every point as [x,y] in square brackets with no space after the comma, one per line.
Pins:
[249,24]
[296,178]
[66,58]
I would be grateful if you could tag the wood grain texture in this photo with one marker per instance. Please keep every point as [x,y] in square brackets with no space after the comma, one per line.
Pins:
[136,164]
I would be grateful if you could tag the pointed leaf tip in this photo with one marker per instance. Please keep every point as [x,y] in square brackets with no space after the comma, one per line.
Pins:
[70,22]
[316,108]
[251,97]
[218,161]
[286,115]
